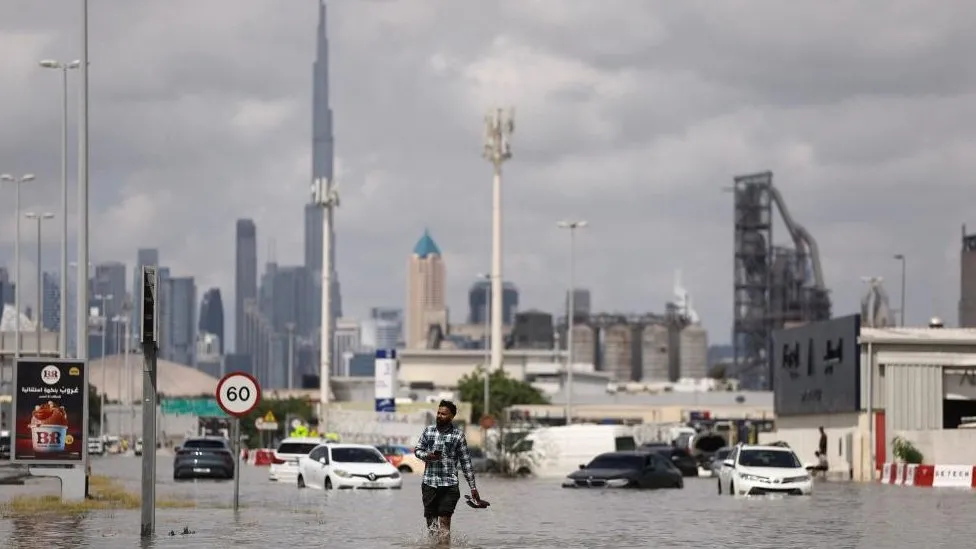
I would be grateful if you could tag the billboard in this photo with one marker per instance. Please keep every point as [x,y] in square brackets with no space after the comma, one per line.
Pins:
[817,368]
[385,380]
[50,411]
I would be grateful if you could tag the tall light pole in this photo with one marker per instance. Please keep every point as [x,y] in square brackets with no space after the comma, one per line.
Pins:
[487,389]
[63,302]
[499,127]
[82,298]
[17,181]
[290,326]
[901,257]
[101,389]
[39,308]
[570,311]
[325,196]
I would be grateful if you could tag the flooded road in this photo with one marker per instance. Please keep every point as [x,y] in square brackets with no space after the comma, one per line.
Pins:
[524,514]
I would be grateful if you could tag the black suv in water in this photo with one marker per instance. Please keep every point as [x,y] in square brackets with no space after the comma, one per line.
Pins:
[203,457]
[630,469]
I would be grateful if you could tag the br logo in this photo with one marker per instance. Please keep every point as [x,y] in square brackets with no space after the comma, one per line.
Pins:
[47,438]
[51,374]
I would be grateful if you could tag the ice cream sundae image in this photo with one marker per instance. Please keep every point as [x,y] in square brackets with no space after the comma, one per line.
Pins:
[49,427]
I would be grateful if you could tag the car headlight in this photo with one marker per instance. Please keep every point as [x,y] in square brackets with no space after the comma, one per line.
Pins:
[803,478]
[753,478]
[618,482]
[341,473]
[395,475]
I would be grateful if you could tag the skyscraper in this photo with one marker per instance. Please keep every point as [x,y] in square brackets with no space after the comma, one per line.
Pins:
[245,275]
[323,157]
[179,313]
[51,314]
[426,300]
[479,302]
[212,316]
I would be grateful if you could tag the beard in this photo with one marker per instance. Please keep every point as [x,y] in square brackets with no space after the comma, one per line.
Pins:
[443,422]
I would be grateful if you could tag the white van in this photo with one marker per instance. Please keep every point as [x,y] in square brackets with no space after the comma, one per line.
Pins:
[558,451]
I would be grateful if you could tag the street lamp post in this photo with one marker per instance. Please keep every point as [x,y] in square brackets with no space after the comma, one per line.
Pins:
[570,312]
[101,389]
[901,257]
[17,181]
[499,127]
[487,389]
[39,308]
[63,302]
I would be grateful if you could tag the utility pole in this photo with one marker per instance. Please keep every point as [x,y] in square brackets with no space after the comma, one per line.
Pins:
[499,127]
[325,196]
[149,334]
[570,311]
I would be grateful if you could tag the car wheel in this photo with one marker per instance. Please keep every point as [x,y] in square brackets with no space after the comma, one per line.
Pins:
[301,482]
[405,469]
[328,483]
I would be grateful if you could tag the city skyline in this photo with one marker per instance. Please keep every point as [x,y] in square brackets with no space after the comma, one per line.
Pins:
[635,144]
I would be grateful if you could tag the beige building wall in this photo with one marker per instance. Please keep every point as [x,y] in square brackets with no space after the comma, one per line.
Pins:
[426,300]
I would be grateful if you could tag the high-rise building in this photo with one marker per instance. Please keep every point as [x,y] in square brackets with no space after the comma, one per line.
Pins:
[110,281]
[323,158]
[212,318]
[426,300]
[581,303]
[7,289]
[51,296]
[479,302]
[179,314]
[347,342]
[245,275]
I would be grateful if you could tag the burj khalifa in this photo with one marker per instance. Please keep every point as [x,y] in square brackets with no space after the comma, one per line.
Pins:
[323,158]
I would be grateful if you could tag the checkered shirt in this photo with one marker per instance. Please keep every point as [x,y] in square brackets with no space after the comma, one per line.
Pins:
[455,454]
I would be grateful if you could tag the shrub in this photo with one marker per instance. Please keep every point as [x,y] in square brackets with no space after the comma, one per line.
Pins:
[906,451]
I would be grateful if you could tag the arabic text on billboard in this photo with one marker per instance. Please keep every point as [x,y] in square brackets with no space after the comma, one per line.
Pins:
[49,411]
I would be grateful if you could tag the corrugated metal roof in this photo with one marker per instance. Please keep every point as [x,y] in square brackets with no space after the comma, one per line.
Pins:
[702,399]
[947,336]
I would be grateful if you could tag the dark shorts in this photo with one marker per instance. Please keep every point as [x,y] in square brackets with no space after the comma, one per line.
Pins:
[440,501]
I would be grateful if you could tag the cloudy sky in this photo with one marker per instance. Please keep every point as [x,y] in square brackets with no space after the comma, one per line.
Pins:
[631,114]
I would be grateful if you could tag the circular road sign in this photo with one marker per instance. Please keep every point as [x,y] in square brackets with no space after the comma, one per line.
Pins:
[238,393]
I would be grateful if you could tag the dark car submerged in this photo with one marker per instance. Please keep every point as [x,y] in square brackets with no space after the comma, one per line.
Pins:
[634,469]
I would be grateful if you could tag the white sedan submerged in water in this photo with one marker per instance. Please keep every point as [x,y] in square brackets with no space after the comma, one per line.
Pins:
[340,466]
[758,470]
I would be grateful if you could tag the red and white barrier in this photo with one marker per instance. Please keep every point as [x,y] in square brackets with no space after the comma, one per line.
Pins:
[260,457]
[937,476]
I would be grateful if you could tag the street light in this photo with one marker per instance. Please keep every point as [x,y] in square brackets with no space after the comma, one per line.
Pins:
[81,328]
[63,303]
[101,313]
[499,127]
[571,310]
[487,277]
[901,257]
[39,313]
[17,181]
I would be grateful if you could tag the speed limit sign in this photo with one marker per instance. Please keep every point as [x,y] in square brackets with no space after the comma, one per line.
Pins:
[238,393]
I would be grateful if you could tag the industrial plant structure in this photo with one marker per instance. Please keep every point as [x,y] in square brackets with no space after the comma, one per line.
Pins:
[774,286]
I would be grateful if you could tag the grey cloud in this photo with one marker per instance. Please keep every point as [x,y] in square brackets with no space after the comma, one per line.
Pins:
[631,115]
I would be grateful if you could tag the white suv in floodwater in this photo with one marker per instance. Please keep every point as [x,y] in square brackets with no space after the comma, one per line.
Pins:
[758,470]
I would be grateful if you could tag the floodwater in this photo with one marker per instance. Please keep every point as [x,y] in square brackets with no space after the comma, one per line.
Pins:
[524,514]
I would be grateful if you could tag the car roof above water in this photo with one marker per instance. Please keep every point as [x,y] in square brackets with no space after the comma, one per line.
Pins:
[744,447]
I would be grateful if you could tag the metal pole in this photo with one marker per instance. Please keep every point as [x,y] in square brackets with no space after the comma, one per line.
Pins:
[487,388]
[128,381]
[82,344]
[325,196]
[102,388]
[570,314]
[63,297]
[497,149]
[17,267]
[291,355]
[38,313]
[903,262]
[237,462]
[149,441]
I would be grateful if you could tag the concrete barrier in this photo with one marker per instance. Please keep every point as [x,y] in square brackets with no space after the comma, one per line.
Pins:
[929,476]
[261,457]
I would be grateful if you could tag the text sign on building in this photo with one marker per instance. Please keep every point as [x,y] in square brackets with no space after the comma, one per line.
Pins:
[385,379]
[817,368]
[50,411]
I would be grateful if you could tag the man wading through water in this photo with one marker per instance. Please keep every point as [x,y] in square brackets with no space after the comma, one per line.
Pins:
[444,449]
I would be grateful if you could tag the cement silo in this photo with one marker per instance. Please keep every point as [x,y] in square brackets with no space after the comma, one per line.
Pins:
[655,349]
[618,351]
[693,358]
[584,344]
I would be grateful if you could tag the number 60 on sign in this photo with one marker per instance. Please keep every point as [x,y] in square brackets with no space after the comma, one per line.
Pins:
[238,393]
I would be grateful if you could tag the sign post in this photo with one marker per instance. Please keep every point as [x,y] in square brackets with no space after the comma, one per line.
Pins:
[385,377]
[148,332]
[237,394]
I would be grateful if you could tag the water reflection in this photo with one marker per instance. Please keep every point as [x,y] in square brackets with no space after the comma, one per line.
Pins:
[523,514]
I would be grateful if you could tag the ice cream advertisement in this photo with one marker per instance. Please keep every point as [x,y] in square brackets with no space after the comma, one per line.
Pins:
[49,410]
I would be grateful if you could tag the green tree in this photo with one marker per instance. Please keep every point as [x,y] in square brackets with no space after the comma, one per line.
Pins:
[502,390]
